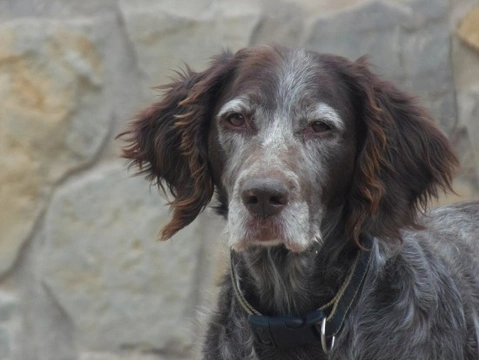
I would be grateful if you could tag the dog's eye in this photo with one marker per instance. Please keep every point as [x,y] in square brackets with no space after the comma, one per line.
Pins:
[320,127]
[236,120]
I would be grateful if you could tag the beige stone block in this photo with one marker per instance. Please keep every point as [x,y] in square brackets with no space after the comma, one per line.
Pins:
[468,30]
[53,117]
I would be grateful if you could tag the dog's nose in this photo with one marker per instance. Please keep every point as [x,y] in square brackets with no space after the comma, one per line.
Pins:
[264,197]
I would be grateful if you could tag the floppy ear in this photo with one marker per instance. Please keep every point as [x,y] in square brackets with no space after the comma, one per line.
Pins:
[403,160]
[168,141]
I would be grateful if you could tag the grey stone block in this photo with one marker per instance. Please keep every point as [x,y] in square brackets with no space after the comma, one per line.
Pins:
[164,38]
[407,43]
[120,287]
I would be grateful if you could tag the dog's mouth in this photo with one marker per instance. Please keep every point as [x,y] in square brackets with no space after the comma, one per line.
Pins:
[267,233]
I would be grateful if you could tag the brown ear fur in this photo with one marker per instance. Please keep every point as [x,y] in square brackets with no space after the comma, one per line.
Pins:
[404,159]
[168,141]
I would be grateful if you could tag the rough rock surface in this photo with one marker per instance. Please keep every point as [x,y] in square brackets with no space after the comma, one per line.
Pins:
[54,117]
[120,287]
[416,37]
[202,30]
[9,325]
[81,273]
[468,30]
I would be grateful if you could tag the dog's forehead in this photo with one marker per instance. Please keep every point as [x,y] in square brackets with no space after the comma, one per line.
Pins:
[285,77]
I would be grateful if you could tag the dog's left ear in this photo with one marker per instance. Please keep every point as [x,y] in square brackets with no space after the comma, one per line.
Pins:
[167,142]
[403,160]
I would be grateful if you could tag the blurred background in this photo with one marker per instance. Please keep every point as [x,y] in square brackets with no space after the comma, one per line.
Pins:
[81,273]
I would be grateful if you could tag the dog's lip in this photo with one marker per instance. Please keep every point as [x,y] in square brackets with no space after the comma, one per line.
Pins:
[265,231]
[261,235]
[248,243]
[264,240]
[266,236]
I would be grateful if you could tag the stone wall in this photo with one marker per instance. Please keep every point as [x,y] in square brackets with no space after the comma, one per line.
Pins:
[81,275]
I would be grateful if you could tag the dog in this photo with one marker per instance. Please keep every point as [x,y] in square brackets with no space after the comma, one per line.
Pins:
[323,171]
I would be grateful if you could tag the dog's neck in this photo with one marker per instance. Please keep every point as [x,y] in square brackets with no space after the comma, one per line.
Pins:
[279,282]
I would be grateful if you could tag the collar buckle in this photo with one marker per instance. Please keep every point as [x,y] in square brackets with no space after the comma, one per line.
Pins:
[286,332]
[324,341]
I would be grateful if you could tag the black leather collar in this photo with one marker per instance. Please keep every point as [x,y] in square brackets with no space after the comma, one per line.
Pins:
[322,324]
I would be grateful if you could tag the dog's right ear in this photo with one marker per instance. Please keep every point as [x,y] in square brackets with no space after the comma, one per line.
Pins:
[167,142]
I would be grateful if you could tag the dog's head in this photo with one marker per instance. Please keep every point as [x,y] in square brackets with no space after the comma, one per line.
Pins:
[295,143]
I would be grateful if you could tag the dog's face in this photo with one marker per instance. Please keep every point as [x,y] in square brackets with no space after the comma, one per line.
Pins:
[295,144]
[286,132]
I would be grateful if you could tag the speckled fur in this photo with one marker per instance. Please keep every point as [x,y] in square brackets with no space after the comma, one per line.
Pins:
[370,168]
[419,301]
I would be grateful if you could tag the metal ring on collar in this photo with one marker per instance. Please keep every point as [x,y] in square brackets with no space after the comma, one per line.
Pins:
[324,343]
